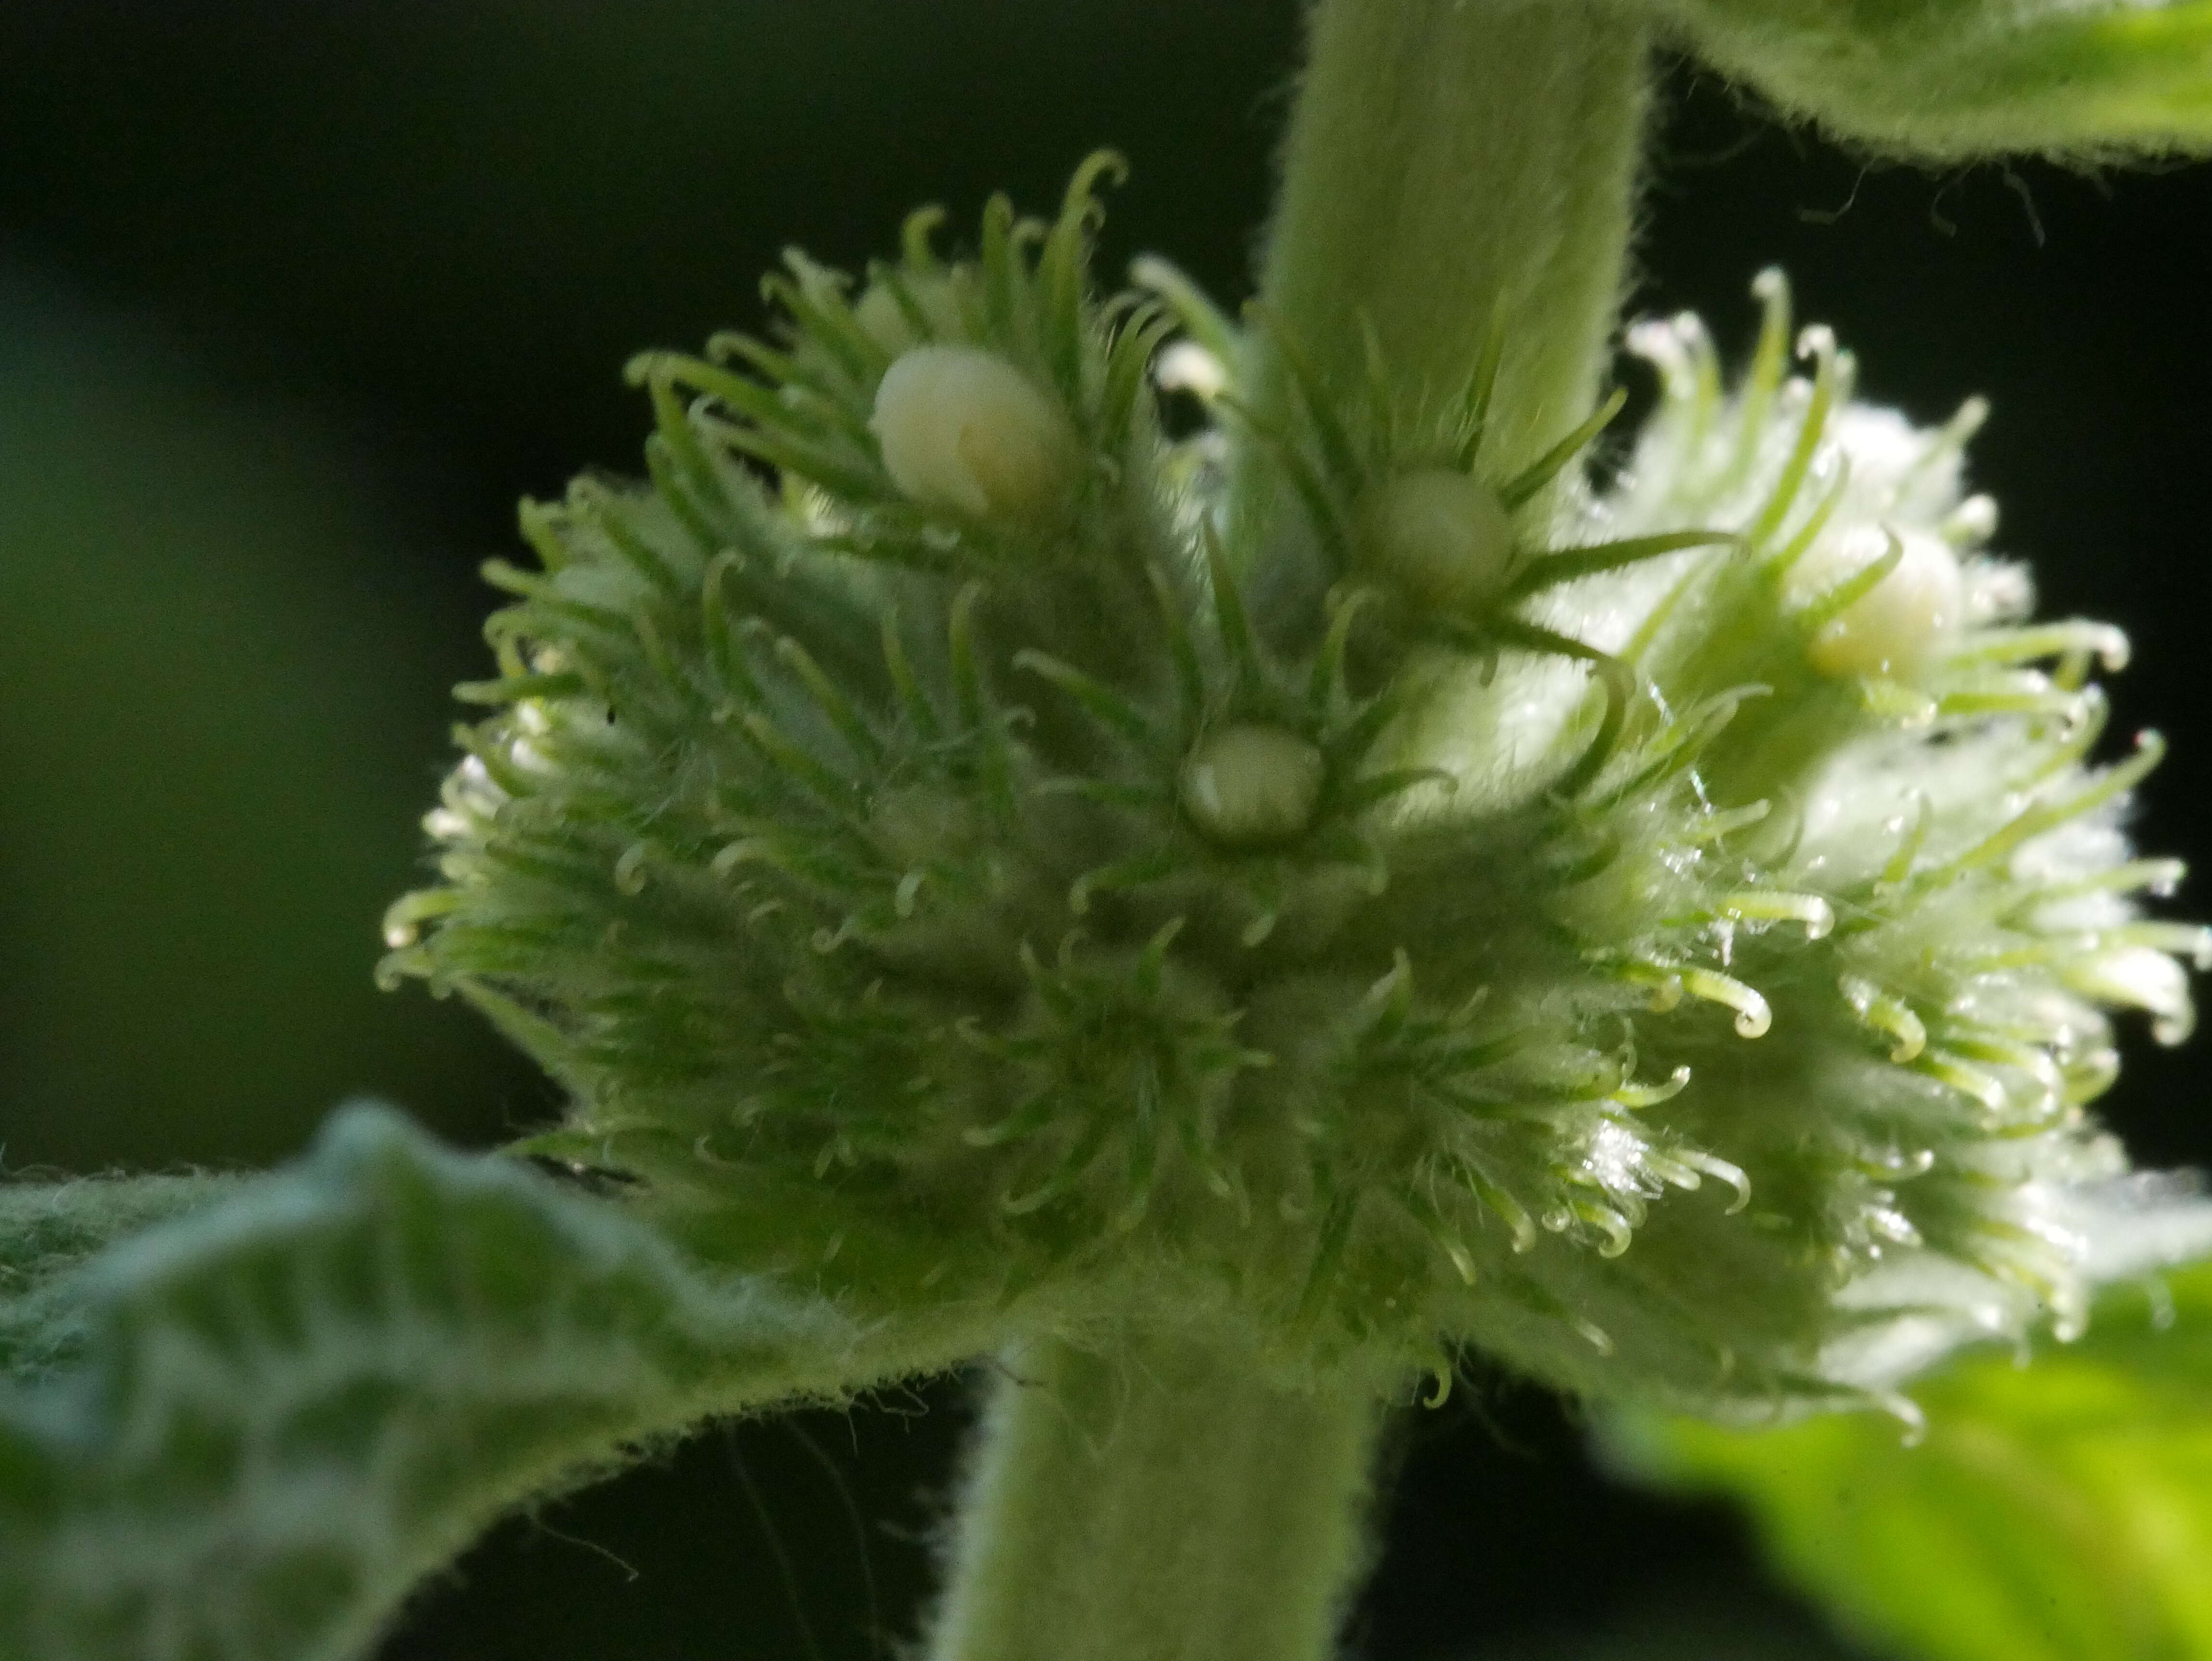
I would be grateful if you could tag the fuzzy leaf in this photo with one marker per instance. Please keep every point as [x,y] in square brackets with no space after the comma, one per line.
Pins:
[1952,80]
[2058,1512]
[47,1229]
[282,1412]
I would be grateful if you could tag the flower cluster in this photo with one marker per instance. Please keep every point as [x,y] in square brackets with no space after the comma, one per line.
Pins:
[1658,936]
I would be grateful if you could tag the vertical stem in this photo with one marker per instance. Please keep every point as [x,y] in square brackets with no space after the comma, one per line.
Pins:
[1450,161]
[1159,1502]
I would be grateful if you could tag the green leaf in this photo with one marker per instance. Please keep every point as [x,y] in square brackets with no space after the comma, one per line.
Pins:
[2056,1511]
[1952,80]
[47,1229]
[282,1412]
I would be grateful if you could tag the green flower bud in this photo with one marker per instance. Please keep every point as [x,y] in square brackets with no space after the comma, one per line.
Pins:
[1444,539]
[1252,784]
[900,312]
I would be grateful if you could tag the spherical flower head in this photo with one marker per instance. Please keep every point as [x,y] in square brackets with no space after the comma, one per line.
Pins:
[1663,940]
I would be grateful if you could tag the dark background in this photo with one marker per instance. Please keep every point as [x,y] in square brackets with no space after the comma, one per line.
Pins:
[294,301]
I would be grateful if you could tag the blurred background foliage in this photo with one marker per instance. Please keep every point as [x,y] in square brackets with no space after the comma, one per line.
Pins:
[295,301]
[2051,1513]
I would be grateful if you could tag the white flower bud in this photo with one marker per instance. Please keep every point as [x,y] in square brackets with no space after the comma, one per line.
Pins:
[1188,367]
[1444,537]
[1250,783]
[1889,629]
[961,428]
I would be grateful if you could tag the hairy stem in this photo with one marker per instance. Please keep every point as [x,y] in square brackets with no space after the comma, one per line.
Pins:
[1450,162]
[1157,1501]
[1455,168]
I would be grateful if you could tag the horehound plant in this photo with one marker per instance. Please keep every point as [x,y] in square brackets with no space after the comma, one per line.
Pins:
[1229,923]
